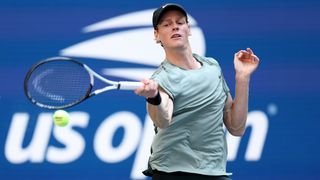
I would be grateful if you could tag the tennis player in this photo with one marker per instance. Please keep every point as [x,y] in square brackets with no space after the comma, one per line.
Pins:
[189,101]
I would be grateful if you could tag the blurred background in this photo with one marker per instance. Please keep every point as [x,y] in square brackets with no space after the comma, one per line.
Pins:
[109,135]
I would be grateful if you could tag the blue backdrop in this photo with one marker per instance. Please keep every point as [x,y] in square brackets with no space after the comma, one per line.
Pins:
[109,135]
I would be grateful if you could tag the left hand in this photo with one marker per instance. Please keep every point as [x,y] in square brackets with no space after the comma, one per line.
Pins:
[245,62]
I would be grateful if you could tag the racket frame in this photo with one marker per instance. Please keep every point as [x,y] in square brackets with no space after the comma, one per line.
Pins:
[113,85]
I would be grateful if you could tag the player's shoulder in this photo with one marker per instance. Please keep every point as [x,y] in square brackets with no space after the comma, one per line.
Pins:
[209,60]
[162,68]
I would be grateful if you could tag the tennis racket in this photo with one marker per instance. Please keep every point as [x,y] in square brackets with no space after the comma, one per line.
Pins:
[61,82]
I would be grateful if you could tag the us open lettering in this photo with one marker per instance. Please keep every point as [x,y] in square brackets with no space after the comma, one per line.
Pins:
[137,138]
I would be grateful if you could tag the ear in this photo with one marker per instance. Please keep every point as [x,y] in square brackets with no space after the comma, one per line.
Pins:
[156,36]
[189,30]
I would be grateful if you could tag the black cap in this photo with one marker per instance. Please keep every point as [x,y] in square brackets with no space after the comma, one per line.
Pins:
[158,13]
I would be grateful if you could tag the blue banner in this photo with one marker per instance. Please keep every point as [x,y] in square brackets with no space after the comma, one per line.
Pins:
[109,136]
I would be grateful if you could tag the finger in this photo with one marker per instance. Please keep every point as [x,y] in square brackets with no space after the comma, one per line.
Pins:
[236,55]
[245,54]
[242,55]
[145,81]
[155,85]
[138,91]
[253,57]
[249,51]
[147,88]
[256,59]
[152,87]
[151,81]
[239,54]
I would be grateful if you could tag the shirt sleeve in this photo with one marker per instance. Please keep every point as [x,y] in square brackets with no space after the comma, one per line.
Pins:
[224,84]
[161,78]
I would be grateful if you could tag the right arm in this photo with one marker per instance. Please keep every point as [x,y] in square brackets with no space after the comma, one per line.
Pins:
[160,114]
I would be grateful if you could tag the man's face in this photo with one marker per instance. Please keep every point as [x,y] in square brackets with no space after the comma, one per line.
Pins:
[173,30]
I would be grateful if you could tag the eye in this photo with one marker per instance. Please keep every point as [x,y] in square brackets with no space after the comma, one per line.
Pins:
[181,22]
[165,24]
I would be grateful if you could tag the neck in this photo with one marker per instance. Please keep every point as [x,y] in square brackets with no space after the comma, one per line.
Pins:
[182,58]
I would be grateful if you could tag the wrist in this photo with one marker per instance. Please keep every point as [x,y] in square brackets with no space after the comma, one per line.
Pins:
[242,77]
[156,100]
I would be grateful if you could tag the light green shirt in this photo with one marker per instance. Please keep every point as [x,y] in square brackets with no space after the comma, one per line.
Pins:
[194,142]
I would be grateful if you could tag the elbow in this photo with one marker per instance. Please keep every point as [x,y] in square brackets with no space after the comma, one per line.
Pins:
[237,130]
[162,123]
[237,126]
[237,133]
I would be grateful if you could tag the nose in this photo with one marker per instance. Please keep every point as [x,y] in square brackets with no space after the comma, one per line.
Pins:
[175,27]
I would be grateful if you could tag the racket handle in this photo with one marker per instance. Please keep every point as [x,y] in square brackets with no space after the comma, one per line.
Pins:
[129,85]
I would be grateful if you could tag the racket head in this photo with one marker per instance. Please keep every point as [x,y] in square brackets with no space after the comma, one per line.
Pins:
[58,83]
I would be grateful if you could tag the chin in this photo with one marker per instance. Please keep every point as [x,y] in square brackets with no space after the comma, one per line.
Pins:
[180,45]
[177,45]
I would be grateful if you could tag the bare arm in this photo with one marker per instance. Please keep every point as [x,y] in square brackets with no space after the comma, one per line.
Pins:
[160,114]
[235,111]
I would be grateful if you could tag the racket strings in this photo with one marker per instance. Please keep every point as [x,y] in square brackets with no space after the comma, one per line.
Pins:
[59,83]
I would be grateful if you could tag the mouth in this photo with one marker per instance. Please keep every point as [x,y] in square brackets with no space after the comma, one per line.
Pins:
[176,36]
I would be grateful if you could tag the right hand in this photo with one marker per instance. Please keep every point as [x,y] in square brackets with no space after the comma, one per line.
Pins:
[149,89]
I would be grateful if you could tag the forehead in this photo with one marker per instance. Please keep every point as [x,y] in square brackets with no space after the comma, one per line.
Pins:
[171,14]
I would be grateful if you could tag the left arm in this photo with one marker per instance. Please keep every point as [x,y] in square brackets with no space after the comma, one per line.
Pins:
[235,111]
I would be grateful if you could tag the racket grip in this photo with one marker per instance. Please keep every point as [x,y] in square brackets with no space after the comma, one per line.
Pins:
[129,85]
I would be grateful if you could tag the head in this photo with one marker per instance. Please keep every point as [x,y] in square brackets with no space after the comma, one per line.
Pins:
[170,23]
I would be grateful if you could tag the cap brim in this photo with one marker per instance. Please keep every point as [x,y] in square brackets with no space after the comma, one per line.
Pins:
[162,10]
